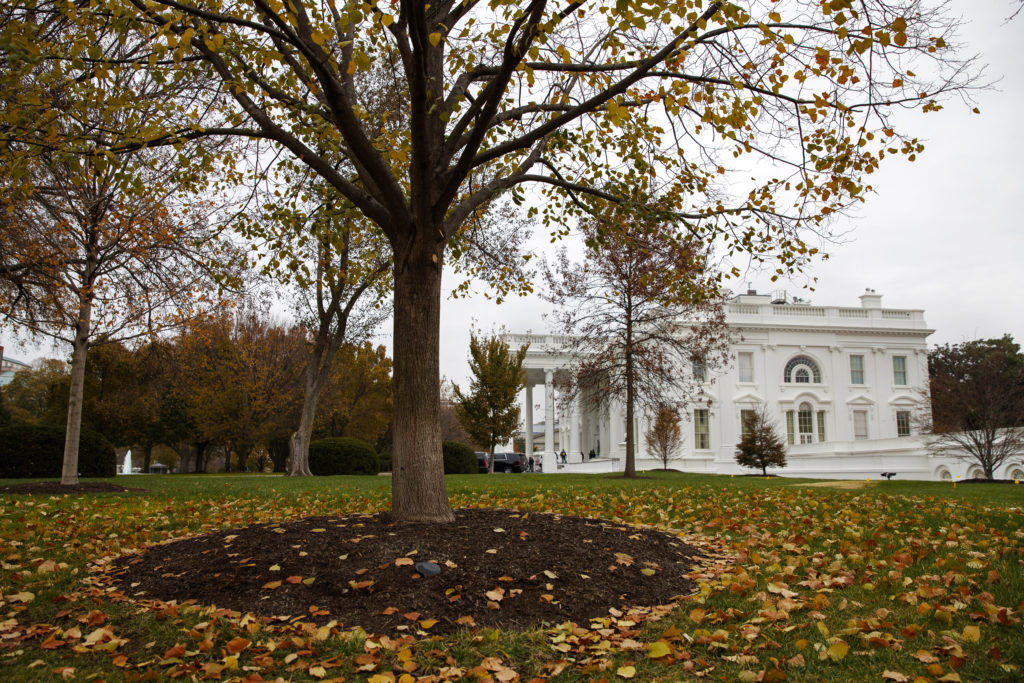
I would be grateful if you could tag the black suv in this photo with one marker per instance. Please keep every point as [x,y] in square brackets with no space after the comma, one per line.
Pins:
[509,462]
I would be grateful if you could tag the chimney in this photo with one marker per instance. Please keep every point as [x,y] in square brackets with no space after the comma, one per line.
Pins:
[870,299]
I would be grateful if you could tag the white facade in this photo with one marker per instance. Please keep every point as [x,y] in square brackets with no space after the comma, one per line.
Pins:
[842,383]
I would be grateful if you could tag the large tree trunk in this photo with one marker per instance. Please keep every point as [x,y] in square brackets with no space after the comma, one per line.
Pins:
[69,472]
[418,490]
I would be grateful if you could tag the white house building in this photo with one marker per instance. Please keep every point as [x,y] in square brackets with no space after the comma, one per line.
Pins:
[843,384]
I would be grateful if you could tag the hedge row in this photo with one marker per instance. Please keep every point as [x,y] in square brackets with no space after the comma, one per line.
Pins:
[38,451]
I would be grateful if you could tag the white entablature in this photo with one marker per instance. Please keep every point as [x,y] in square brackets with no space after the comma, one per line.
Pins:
[842,383]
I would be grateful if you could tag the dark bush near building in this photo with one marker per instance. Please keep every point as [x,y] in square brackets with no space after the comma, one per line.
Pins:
[384,461]
[342,455]
[5,414]
[38,451]
[458,458]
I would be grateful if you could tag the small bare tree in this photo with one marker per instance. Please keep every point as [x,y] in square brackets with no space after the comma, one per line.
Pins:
[633,330]
[760,446]
[665,438]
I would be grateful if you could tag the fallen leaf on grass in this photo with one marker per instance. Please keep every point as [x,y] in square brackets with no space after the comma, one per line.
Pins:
[177,651]
[837,650]
[626,671]
[658,649]
[236,645]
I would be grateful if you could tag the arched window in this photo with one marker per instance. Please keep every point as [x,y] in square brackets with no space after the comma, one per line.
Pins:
[802,370]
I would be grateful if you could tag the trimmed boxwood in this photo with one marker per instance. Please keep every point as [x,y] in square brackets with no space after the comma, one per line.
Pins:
[342,455]
[38,451]
[458,458]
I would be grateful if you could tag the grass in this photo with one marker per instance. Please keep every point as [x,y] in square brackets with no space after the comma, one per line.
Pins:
[900,580]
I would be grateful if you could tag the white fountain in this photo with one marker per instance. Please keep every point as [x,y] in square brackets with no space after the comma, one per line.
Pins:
[126,467]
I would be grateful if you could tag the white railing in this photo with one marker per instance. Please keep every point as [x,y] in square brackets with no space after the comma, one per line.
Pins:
[800,311]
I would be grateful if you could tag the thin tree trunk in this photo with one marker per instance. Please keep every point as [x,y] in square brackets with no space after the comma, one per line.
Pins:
[200,457]
[418,490]
[630,470]
[315,377]
[148,458]
[69,472]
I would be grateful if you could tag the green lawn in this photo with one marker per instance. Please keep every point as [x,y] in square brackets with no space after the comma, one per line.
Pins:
[892,581]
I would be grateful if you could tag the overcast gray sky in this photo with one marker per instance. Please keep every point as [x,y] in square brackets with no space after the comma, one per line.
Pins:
[943,234]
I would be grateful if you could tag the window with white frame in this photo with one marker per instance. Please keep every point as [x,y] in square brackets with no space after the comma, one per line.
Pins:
[790,427]
[821,425]
[746,422]
[745,360]
[700,371]
[805,421]
[857,369]
[701,431]
[860,424]
[899,371]
[902,423]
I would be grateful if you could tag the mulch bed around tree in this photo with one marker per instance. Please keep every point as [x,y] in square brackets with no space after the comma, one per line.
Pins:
[499,568]
[55,487]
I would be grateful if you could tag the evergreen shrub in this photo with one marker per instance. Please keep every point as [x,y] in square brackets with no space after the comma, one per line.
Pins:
[38,451]
[342,455]
[458,458]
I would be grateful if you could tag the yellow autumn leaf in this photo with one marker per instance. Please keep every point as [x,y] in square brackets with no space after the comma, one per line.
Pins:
[626,671]
[838,650]
[428,623]
[972,634]
[658,649]
[434,39]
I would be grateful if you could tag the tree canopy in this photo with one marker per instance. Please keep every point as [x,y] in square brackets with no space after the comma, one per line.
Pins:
[756,122]
[977,402]
[634,330]
[760,445]
[489,411]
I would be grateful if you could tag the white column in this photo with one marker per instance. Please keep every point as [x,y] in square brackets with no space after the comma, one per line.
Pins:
[550,464]
[573,450]
[528,417]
